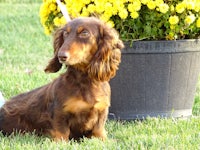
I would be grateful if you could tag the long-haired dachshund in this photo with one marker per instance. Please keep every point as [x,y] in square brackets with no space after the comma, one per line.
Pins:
[75,104]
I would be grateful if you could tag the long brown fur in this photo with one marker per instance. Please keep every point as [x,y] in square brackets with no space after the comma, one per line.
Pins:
[75,104]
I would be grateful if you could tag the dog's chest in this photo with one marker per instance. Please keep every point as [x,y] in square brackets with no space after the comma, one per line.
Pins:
[95,98]
[77,105]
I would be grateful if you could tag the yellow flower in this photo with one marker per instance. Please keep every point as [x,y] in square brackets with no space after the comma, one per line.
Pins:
[104,17]
[100,7]
[151,4]
[63,20]
[172,8]
[87,1]
[91,8]
[131,8]
[123,13]
[158,2]
[108,13]
[163,8]
[44,10]
[109,10]
[198,23]
[114,9]
[111,24]
[47,31]
[137,5]
[180,7]
[85,12]
[43,19]
[134,6]
[52,6]
[56,21]
[189,19]
[119,4]
[144,1]
[134,15]
[173,20]
[197,8]
[190,5]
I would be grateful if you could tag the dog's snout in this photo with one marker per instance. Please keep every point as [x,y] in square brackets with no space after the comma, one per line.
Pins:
[63,56]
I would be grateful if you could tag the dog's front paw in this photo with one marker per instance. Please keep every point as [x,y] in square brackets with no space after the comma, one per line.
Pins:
[101,134]
[57,135]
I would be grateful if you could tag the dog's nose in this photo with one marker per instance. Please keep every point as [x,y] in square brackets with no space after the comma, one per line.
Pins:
[62,56]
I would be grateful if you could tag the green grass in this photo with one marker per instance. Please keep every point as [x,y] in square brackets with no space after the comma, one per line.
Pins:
[24,53]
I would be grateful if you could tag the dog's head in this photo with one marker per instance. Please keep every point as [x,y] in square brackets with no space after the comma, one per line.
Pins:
[88,45]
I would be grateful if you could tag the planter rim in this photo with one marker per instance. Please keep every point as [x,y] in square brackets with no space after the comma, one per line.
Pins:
[162,46]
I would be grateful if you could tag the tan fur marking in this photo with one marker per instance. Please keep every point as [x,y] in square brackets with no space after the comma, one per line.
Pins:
[102,104]
[76,105]
[68,29]
[80,29]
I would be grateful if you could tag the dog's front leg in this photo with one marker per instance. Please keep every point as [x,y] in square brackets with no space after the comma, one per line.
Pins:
[99,128]
[60,130]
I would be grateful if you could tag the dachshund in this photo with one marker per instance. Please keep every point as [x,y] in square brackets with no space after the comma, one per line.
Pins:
[76,104]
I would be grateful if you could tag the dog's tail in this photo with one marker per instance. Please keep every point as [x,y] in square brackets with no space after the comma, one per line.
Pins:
[2,101]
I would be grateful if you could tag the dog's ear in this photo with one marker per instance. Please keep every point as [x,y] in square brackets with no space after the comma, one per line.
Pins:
[54,64]
[105,62]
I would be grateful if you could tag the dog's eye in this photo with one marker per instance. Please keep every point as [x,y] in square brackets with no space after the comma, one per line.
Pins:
[84,34]
[65,34]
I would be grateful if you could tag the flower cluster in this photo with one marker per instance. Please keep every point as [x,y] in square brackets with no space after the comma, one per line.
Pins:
[134,19]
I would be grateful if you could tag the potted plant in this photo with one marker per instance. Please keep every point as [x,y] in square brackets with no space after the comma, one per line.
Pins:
[161,60]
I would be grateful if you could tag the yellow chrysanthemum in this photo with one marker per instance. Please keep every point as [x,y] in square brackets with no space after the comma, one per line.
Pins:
[85,12]
[180,7]
[190,5]
[123,13]
[104,17]
[134,6]
[134,15]
[91,8]
[144,1]
[197,8]
[111,24]
[47,31]
[56,21]
[100,7]
[198,23]
[87,1]
[109,10]
[151,4]
[172,8]
[63,20]
[43,19]
[108,13]
[114,10]
[44,10]
[52,6]
[163,8]
[158,2]
[173,20]
[189,19]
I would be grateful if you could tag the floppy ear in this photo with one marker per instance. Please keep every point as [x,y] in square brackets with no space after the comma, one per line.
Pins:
[54,64]
[105,62]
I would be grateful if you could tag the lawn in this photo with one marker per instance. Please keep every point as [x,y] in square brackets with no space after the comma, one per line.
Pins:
[24,53]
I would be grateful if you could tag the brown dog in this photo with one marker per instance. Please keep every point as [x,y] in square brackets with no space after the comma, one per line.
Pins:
[75,104]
